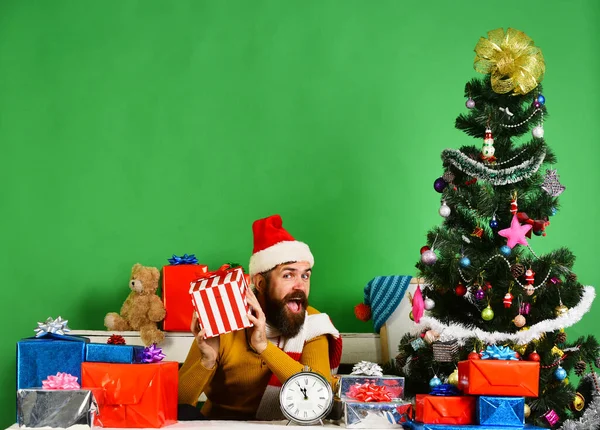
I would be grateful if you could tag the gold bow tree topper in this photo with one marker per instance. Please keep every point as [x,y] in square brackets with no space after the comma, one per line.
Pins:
[512,60]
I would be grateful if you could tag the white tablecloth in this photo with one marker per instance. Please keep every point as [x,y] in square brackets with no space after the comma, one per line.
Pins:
[215,425]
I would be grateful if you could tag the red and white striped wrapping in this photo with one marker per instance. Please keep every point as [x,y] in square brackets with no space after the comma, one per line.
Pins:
[220,301]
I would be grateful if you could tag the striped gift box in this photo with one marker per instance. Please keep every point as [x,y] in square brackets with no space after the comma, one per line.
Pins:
[219,299]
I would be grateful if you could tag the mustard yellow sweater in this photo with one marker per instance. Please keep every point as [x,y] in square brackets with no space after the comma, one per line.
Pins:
[235,385]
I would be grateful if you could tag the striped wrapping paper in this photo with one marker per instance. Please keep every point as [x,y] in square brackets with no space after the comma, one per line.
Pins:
[220,301]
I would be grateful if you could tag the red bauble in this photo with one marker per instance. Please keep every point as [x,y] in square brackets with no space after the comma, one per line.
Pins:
[425,248]
[474,356]
[362,312]
[534,356]
[517,355]
[487,285]
[460,290]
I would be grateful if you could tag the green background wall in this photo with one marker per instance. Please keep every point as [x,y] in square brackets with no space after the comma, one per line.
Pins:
[132,130]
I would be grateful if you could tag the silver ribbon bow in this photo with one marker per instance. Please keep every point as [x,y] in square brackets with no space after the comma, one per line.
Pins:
[51,325]
[367,368]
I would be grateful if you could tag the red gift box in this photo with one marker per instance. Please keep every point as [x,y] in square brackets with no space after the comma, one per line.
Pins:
[134,395]
[175,294]
[445,409]
[499,377]
[220,301]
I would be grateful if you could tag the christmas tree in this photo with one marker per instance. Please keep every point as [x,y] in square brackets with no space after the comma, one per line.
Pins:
[484,284]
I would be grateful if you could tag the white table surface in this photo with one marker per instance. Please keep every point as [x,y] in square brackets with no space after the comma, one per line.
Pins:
[216,425]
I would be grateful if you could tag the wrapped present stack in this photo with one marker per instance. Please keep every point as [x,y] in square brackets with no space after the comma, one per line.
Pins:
[371,399]
[490,394]
[65,380]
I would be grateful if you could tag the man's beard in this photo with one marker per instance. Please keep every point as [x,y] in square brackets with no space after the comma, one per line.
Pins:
[280,317]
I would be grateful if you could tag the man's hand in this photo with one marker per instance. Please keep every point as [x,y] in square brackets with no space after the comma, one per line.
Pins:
[209,348]
[258,338]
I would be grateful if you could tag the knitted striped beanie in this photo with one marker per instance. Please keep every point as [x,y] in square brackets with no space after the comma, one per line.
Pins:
[382,296]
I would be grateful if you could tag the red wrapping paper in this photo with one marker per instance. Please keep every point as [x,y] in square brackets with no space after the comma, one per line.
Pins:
[445,409]
[175,294]
[133,395]
[499,377]
[219,299]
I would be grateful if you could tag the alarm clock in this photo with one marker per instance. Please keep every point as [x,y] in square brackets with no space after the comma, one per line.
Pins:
[306,398]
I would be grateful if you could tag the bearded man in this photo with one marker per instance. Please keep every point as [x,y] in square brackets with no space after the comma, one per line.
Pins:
[241,372]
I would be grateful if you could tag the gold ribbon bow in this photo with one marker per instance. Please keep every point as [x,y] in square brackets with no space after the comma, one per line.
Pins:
[511,59]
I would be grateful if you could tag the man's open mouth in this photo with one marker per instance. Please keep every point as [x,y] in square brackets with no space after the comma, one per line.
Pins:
[295,305]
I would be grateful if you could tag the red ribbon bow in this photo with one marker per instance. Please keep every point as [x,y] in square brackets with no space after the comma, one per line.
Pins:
[221,271]
[369,392]
[538,225]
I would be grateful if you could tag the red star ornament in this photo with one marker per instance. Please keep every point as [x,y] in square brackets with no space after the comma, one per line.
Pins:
[516,233]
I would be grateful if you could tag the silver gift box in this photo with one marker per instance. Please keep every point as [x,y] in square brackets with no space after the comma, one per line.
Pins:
[55,408]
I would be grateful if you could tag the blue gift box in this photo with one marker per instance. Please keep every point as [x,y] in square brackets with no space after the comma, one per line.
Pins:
[108,353]
[412,425]
[38,358]
[506,411]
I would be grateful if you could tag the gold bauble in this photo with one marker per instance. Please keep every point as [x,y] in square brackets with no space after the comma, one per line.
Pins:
[453,378]
[410,315]
[561,310]
[527,410]
[578,402]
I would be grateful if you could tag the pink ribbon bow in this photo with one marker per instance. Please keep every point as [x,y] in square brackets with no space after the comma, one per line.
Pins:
[61,381]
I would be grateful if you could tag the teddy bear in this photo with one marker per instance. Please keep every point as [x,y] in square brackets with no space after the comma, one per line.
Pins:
[142,309]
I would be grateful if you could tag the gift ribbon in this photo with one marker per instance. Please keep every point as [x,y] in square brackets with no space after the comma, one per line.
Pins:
[445,390]
[369,392]
[152,354]
[116,339]
[184,259]
[494,352]
[221,271]
[61,381]
[51,325]
[536,224]
[367,368]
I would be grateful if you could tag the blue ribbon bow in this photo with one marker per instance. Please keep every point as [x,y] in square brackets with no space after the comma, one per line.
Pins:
[494,352]
[185,259]
[445,390]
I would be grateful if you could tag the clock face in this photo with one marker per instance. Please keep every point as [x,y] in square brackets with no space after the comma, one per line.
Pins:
[306,398]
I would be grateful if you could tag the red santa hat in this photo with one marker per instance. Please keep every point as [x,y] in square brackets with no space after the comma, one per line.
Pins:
[273,246]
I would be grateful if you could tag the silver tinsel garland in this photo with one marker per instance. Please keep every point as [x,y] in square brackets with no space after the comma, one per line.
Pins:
[589,420]
[478,170]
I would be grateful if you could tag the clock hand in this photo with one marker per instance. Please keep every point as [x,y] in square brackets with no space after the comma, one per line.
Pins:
[303,391]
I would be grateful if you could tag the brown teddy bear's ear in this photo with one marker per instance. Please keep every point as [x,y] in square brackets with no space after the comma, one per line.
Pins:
[136,268]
